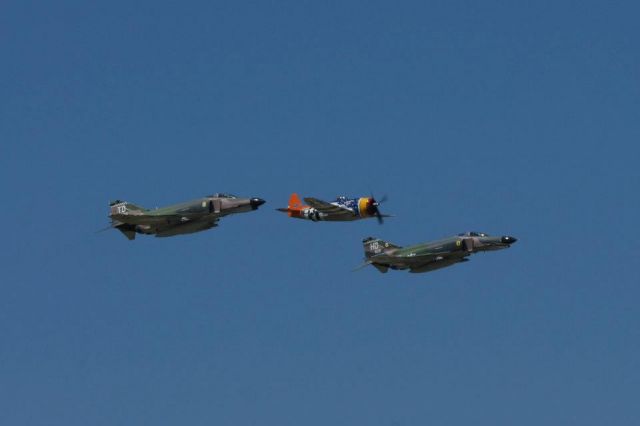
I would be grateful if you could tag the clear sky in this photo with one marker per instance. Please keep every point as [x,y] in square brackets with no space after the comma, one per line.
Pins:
[518,118]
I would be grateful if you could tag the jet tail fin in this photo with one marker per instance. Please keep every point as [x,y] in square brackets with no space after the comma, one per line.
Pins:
[122,207]
[132,206]
[373,246]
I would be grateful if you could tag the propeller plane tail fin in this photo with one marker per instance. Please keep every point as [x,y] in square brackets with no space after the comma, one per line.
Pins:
[295,205]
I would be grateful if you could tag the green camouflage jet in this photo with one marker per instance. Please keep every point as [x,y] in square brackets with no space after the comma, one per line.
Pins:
[430,256]
[184,218]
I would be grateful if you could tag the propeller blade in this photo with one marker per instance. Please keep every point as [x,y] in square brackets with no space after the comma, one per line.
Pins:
[375,203]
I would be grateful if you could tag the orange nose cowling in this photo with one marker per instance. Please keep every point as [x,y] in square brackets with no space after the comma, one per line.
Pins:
[363,206]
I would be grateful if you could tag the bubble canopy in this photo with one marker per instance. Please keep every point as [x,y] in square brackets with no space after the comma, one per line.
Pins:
[473,234]
[222,195]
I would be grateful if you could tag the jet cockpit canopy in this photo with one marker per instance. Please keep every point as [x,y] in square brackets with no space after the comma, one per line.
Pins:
[473,234]
[222,195]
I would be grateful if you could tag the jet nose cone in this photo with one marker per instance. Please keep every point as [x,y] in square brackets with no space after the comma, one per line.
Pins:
[256,202]
[509,240]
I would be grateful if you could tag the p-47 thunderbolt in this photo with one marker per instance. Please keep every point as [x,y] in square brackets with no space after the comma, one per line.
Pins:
[341,210]
[430,256]
[185,218]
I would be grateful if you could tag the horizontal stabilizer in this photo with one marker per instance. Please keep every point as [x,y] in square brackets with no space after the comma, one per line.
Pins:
[382,268]
[129,231]
[364,265]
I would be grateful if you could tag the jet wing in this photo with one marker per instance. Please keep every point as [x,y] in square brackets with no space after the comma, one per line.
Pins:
[188,227]
[410,259]
[149,219]
[328,208]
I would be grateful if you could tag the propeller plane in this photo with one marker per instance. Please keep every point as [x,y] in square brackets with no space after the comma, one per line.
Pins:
[341,210]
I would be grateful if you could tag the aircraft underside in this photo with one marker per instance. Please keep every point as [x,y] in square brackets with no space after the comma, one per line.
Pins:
[165,231]
[419,268]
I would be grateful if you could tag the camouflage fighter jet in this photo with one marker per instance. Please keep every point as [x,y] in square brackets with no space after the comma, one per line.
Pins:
[341,210]
[430,256]
[185,218]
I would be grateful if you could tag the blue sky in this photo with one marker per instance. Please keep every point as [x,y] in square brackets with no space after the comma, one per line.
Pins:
[517,118]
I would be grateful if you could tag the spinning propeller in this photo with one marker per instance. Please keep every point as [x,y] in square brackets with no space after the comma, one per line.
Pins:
[373,207]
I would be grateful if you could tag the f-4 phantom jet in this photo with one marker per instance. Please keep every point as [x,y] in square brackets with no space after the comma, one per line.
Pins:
[185,218]
[430,256]
[341,210]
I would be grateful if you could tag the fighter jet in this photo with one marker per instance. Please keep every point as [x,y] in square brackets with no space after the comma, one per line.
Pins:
[341,210]
[430,256]
[184,218]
